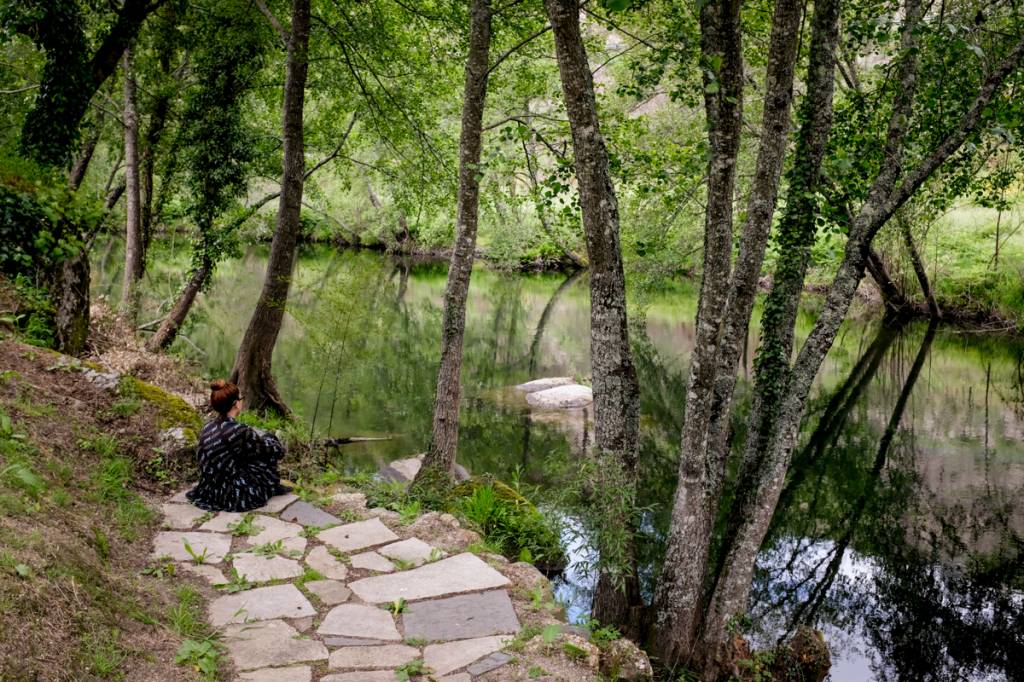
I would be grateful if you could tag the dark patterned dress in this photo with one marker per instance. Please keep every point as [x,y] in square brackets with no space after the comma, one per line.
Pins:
[237,467]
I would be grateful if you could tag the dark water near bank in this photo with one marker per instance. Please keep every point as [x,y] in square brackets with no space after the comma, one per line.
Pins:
[905,552]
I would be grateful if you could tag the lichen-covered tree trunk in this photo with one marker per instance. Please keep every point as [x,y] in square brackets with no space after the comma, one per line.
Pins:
[796,234]
[616,390]
[252,371]
[444,437]
[133,256]
[724,309]
[891,188]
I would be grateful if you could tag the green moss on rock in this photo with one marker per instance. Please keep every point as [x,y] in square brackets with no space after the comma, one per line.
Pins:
[172,411]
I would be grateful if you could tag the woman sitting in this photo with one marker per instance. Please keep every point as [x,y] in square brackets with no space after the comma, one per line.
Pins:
[237,463]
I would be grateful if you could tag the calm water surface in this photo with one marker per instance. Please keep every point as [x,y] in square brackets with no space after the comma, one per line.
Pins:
[899,534]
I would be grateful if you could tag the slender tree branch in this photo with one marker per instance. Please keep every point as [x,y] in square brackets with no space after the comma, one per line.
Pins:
[278,28]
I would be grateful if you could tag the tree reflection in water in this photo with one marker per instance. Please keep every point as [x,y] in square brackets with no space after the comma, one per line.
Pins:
[863,550]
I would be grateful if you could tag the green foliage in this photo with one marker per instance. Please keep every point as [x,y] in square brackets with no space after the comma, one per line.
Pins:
[245,526]
[407,671]
[202,655]
[236,583]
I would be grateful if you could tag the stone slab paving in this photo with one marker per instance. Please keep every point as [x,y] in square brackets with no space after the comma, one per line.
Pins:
[261,603]
[330,592]
[372,657]
[270,643]
[181,516]
[276,504]
[212,575]
[458,604]
[450,656]
[371,561]
[352,537]
[222,522]
[172,544]
[461,573]
[360,620]
[321,561]
[486,665]
[304,513]
[295,673]
[413,551]
[180,497]
[352,641]
[260,569]
[362,676]
[461,617]
[274,529]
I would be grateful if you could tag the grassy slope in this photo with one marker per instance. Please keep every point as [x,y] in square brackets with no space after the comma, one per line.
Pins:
[79,479]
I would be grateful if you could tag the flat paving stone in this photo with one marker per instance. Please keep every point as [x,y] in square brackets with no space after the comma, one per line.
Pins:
[270,642]
[260,569]
[304,513]
[276,529]
[464,616]
[371,561]
[371,657]
[352,537]
[295,673]
[486,665]
[352,641]
[359,620]
[450,656]
[172,544]
[460,573]
[277,503]
[180,496]
[208,573]
[330,592]
[413,550]
[321,561]
[302,624]
[261,603]
[222,522]
[181,516]
[457,677]
[362,676]
[350,499]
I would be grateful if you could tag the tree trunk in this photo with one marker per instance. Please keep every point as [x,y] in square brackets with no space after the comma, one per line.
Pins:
[70,294]
[724,314]
[77,174]
[252,371]
[168,329]
[892,296]
[130,293]
[919,269]
[616,390]
[147,164]
[444,437]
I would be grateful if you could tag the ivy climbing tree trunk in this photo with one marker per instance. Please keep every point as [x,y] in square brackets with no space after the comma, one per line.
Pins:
[133,255]
[616,390]
[444,437]
[724,309]
[252,371]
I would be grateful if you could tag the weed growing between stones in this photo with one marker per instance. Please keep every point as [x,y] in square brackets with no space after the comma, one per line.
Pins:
[411,669]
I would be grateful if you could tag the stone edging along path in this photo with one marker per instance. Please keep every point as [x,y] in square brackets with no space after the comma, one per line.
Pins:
[382,604]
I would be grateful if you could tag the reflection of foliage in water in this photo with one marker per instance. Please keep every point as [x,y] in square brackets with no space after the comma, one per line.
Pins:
[861,544]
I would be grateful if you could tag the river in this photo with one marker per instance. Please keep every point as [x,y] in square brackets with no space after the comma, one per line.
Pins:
[903,549]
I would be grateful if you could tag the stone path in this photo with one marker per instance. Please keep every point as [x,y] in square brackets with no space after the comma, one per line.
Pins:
[338,602]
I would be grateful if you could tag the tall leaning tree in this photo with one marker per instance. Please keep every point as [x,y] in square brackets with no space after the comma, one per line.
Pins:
[695,601]
[252,371]
[616,390]
[444,438]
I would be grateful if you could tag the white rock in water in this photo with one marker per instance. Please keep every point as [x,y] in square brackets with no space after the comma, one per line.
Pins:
[544,384]
[562,397]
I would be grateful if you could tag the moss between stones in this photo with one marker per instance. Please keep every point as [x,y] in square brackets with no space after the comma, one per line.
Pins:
[173,411]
